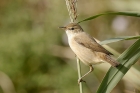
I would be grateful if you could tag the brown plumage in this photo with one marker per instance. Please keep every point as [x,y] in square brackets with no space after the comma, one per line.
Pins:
[86,48]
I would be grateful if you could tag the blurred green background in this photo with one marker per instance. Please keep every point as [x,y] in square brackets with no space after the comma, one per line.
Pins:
[34,53]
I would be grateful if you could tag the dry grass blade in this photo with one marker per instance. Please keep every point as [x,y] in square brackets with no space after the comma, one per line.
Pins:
[72,9]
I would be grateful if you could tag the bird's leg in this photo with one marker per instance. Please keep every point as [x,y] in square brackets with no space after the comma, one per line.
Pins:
[91,69]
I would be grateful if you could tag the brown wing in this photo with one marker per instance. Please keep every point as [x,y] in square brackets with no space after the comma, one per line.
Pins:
[92,44]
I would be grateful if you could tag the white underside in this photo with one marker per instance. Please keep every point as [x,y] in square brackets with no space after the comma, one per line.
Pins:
[84,54]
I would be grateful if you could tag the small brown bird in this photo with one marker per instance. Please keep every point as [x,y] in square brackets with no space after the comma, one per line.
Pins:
[86,48]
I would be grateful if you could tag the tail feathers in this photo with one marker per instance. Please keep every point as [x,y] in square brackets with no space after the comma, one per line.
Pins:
[110,60]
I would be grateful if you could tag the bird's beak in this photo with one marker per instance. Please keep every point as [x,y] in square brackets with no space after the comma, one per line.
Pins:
[62,28]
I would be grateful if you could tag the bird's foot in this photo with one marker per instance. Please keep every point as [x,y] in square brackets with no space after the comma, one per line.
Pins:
[81,80]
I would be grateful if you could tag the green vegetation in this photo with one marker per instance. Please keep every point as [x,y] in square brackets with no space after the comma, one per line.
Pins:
[34,55]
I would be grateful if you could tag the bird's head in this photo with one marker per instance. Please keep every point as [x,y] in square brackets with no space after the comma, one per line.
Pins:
[73,28]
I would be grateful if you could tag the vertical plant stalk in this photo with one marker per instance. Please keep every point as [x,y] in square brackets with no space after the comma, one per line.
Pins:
[72,9]
[79,74]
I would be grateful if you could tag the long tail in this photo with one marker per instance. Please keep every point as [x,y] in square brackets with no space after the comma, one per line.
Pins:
[110,60]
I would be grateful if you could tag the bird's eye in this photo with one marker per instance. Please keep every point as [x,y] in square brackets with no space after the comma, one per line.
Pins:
[72,28]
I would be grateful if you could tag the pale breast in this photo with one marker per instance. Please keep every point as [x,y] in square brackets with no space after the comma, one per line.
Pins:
[84,54]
